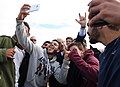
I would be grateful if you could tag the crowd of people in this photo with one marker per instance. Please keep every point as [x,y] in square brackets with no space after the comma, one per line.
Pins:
[58,64]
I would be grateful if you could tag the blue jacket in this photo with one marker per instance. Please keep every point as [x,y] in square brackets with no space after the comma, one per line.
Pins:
[109,75]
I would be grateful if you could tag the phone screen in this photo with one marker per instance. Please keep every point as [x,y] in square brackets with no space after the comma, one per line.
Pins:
[34,8]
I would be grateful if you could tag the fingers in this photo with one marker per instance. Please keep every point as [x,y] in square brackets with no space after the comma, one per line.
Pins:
[99,12]
[94,19]
[79,16]
[94,11]
[23,12]
[11,56]
[10,53]
[66,55]
[98,2]
[24,8]
[77,20]
[94,3]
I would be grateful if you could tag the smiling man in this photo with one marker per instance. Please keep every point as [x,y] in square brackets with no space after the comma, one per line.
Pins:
[42,62]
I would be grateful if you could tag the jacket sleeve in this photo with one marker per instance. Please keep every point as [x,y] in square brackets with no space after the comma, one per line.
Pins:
[2,55]
[89,68]
[61,72]
[80,38]
[22,37]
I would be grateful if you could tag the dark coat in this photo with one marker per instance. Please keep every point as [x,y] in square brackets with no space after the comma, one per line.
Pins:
[109,75]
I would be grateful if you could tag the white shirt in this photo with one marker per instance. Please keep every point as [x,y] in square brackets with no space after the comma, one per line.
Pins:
[19,55]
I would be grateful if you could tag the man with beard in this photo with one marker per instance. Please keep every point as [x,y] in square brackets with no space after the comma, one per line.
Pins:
[42,62]
[83,71]
[109,35]
[82,34]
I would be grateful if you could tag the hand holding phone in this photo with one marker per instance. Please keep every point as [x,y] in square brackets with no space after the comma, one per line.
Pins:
[34,8]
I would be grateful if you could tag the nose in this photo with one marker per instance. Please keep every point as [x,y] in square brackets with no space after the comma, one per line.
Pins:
[51,44]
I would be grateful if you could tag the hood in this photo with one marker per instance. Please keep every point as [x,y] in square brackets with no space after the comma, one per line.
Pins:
[53,59]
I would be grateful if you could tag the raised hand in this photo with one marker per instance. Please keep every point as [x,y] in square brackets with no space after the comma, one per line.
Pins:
[82,20]
[75,49]
[66,55]
[23,12]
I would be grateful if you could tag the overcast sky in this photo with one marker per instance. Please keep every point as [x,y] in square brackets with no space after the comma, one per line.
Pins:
[55,18]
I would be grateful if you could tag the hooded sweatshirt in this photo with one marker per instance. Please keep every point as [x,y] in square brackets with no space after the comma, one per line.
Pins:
[40,67]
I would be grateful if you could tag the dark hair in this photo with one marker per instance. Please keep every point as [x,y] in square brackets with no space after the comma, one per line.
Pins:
[69,38]
[57,42]
[46,42]
[78,44]
[26,24]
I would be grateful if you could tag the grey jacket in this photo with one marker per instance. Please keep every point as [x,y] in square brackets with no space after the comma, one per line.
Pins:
[40,68]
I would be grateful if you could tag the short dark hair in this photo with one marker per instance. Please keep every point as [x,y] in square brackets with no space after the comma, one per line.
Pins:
[26,24]
[57,42]
[46,42]
[69,38]
[78,44]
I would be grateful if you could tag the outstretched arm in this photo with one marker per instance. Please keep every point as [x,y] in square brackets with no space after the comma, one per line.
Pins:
[82,33]
[21,31]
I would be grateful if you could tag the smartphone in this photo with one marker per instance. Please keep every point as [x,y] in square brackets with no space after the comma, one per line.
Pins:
[34,8]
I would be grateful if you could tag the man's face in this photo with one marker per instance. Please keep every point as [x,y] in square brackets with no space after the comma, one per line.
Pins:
[53,47]
[68,42]
[93,35]
[62,43]
[45,45]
